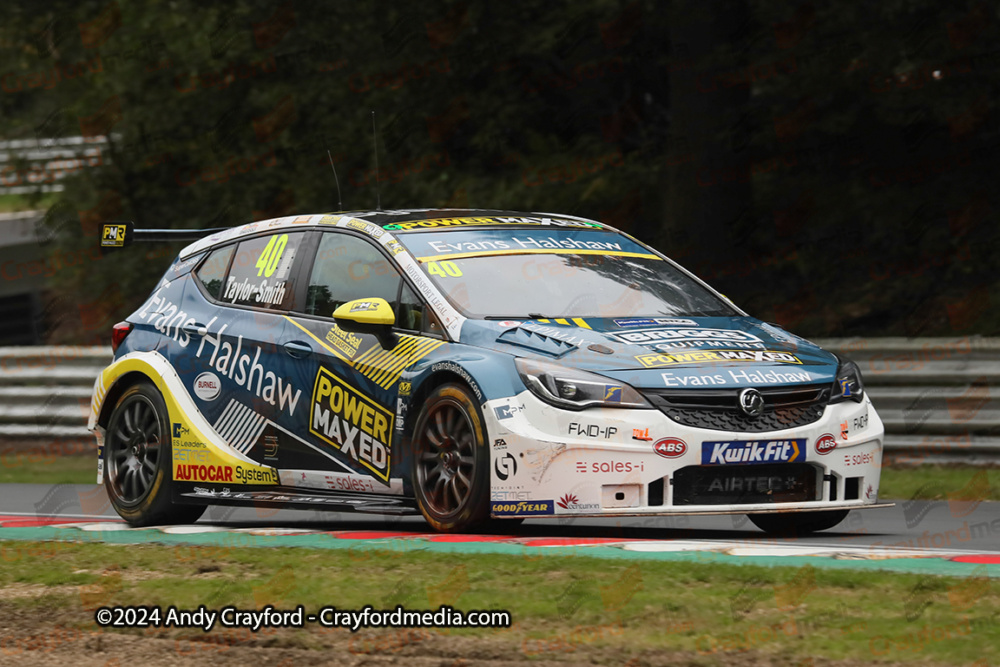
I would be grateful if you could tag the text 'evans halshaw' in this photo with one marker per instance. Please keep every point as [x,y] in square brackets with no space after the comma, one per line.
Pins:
[244,371]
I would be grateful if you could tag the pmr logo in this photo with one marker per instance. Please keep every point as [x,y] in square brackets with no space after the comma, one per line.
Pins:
[180,430]
[113,236]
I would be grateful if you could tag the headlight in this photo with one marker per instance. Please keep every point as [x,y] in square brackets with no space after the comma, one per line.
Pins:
[573,389]
[848,386]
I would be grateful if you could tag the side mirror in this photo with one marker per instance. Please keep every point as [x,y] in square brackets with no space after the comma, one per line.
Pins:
[368,316]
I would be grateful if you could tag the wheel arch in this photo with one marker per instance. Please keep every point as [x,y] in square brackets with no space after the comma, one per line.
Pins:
[424,390]
[120,386]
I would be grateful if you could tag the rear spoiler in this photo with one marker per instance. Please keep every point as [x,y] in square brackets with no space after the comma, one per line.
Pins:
[121,234]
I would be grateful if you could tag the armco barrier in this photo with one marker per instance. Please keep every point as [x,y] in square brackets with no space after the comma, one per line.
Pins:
[45,393]
[939,398]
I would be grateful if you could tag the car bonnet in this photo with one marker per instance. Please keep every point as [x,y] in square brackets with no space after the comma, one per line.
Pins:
[658,351]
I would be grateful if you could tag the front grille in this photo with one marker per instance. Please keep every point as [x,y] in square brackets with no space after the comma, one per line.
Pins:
[745,485]
[718,409]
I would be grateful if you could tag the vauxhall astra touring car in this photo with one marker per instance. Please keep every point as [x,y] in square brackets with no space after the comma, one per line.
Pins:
[469,366]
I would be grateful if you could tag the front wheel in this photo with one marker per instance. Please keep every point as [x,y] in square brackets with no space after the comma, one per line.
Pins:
[137,461]
[797,524]
[451,467]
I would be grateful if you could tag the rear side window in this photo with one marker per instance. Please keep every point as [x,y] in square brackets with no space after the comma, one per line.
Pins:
[261,273]
[349,268]
[212,272]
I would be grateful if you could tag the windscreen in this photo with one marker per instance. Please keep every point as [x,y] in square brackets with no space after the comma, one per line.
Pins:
[554,273]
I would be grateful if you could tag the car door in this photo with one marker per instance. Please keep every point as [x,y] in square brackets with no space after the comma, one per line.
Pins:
[351,418]
[240,364]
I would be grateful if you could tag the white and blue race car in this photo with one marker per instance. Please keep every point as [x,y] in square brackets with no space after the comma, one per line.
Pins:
[468,365]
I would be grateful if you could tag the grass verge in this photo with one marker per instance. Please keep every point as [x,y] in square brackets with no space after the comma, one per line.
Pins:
[936,482]
[27,202]
[21,467]
[564,608]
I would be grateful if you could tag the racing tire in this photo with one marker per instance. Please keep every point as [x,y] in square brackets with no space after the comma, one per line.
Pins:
[797,524]
[451,463]
[137,461]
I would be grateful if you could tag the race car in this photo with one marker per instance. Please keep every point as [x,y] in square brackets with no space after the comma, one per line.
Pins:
[467,365]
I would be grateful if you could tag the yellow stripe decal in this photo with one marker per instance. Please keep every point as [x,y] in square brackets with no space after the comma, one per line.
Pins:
[544,251]
[418,353]
[398,358]
[385,369]
[562,320]
[386,364]
[580,322]
[369,354]
[324,345]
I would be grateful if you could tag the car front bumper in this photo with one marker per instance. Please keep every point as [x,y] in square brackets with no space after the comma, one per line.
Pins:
[603,462]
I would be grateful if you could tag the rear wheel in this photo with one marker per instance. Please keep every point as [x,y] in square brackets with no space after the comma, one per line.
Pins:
[451,468]
[796,524]
[137,461]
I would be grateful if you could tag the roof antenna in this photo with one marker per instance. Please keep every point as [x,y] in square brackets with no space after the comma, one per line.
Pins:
[340,203]
[378,198]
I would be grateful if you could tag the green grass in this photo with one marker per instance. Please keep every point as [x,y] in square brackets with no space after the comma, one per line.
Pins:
[935,482]
[47,468]
[562,606]
[32,202]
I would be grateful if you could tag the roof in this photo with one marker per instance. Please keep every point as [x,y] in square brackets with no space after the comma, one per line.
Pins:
[378,223]
[397,220]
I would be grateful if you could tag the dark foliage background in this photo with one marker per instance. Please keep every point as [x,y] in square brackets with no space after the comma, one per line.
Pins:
[828,166]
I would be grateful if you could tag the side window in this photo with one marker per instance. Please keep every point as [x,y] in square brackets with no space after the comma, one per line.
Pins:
[413,315]
[348,268]
[261,272]
[212,271]
[411,310]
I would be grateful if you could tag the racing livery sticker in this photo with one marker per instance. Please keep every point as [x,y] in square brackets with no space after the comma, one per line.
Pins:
[571,503]
[488,221]
[751,452]
[165,316]
[113,236]
[395,247]
[194,462]
[383,367]
[709,356]
[570,322]
[368,228]
[825,444]
[687,337]
[338,481]
[207,387]
[245,369]
[610,465]
[346,342]
[505,467]
[629,323]
[262,282]
[670,448]
[351,421]
[431,247]
[240,426]
[522,508]
[741,378]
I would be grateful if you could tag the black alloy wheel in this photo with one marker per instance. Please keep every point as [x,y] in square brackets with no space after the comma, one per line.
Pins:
[137,461]
[451,465]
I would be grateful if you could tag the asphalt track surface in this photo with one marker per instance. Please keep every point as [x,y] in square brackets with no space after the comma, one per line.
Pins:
[946,526]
